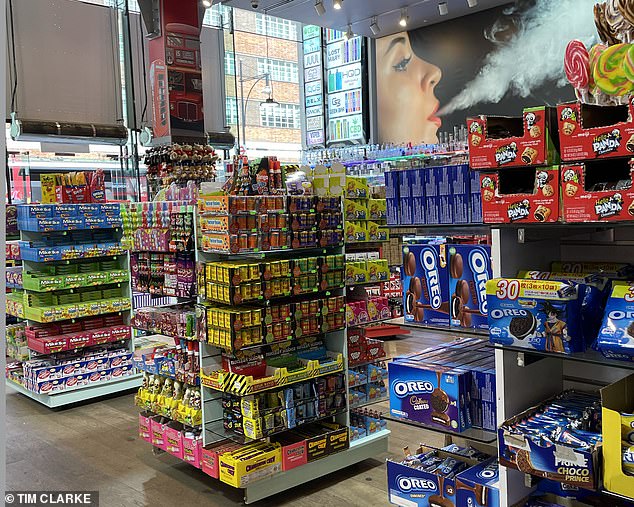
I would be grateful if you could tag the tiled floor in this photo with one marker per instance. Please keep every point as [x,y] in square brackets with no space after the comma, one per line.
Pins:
[95,447]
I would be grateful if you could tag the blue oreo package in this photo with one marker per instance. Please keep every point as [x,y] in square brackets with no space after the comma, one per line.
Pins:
[479,486]
[425,281]
[469,271]
[542,315]
[595,289]
[616,337]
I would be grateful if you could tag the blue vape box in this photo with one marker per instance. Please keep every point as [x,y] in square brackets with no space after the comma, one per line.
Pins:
[392,211]
[391,184]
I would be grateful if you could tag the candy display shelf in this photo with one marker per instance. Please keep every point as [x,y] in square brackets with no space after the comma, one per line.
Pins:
[359,450]
[79,394]
[370,402]
[216,297]
[76,298]
[444,329]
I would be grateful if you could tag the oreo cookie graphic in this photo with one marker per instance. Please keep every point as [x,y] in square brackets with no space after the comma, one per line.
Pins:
[523,326]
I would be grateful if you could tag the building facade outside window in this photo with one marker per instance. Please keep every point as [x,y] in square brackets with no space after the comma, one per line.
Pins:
[284,116]
[280,70]
[232,111]
[275,27]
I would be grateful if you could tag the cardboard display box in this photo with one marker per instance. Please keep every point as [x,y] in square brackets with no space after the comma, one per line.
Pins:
[598,191]
[589,132]
[469,270]
[617,398]
[512,141]
[521,196]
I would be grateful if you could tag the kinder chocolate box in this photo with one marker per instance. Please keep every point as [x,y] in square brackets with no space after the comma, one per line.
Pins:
[425,278]
[588,131]
[510,141]
[469,271]
[521,196]
[616,336]
[535,314]
[598,191]
[429,394]
[479,486]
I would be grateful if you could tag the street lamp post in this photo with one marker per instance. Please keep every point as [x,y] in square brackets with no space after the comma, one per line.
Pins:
[244,102]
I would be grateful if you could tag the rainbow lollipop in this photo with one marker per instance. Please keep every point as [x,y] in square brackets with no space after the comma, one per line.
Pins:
[608,73]
[595,52]
[628,65]
[577,66]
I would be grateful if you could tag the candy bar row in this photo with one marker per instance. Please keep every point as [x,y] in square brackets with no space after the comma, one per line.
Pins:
[177,321]
[165,274]
[169,398]
[262,415]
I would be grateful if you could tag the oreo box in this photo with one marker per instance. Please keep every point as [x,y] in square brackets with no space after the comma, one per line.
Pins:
[479,486]
[616,336]
[432,395]
[535,314]
[469,271]
[425,281]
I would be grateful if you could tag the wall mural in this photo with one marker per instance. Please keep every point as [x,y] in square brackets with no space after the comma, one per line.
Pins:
[493,62]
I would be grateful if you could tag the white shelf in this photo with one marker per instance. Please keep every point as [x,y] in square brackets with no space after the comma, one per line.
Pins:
[68,396]
[360,449]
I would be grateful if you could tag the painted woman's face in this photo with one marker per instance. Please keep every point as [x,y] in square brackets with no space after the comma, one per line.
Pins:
[407,105]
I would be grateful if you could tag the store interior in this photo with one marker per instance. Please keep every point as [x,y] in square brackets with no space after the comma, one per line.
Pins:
[337,252]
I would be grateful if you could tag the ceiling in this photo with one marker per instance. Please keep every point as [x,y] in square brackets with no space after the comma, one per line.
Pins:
[360,12]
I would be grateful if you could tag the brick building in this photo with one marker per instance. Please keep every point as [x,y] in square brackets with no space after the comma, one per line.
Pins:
[274,130]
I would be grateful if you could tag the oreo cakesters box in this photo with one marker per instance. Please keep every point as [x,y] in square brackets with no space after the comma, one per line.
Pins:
[616,337]
[469,271]
[535,314]
[433,395]
[426,284]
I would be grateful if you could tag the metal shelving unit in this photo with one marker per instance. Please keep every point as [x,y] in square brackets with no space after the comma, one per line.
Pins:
[91,390]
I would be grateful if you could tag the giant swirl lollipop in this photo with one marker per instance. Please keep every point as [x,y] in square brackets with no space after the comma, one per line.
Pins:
[609,74]
[577,67]
[595,52]
[628,65]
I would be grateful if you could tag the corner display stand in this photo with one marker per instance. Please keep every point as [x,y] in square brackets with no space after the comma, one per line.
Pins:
[92,390]
[335,341]
[524,379]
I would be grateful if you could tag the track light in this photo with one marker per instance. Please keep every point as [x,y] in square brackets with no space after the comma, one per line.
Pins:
[472,3]
[337,4]
[443,9]
[404,18]
[319,7]
[374,26]
[349,33]
[206,4]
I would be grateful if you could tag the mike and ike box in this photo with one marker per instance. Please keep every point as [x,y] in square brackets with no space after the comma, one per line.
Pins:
[543,315]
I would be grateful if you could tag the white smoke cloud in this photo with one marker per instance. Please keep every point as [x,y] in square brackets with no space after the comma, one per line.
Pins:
[532,56]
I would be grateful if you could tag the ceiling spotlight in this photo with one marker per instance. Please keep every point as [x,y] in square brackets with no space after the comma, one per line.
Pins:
[374,26]
[443,9]
[472,3]
[349,33]
[404,18]
[206,4]
[337,4]
[319,7]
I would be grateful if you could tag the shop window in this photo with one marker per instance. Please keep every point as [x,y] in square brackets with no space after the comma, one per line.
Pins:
[231,111]
[275,27]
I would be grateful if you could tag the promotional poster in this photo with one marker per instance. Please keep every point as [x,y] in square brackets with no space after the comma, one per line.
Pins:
[494,62]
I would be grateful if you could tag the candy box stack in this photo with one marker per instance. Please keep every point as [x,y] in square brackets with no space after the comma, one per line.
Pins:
[616,337]
[589,132]
[249,463]
[598,191]
[558,439]
[618,436]
[428,477]
[512,141]
[528,195]
[535,314]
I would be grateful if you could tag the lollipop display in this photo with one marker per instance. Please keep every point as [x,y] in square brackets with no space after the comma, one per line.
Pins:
[609,74]
[606,33]
[577,67]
